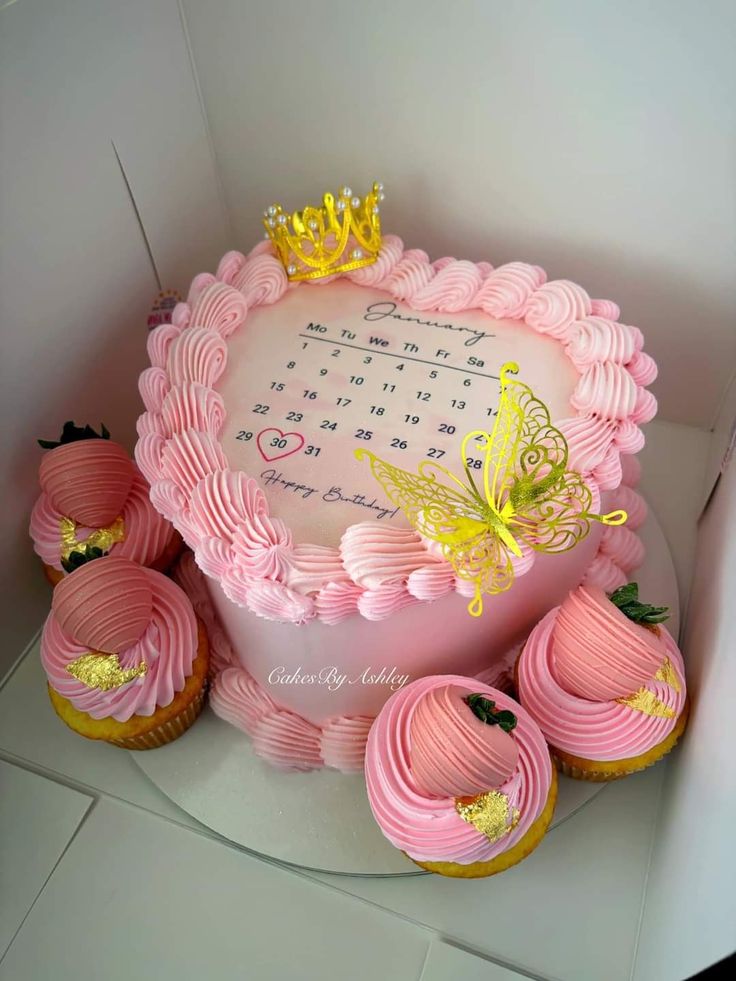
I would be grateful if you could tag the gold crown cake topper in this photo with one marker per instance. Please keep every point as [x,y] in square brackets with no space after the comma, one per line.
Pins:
[527,495]
[344,234]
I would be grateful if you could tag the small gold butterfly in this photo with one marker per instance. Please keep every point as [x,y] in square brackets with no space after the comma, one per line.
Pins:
[527,494]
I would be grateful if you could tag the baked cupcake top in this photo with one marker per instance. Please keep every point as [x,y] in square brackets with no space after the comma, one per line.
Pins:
[601,676]
[93,501]
[456,771]
[120,639]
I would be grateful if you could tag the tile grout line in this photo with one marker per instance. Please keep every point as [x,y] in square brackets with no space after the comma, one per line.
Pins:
[5,679]
[90,808]
[645,884]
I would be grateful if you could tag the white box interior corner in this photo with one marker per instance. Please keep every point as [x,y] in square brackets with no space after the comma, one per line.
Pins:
[142,140]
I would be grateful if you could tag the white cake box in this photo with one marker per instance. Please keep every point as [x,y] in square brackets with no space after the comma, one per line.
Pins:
[141,141]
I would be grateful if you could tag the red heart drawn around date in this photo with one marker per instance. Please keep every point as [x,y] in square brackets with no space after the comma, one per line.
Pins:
[274,444]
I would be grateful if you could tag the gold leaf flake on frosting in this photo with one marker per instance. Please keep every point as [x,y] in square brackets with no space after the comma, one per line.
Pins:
[102,538]
[488,813]
[647,702]
[668,675]
[103,671]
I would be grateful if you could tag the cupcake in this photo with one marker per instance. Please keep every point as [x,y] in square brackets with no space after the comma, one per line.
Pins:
[94,501]
[459,777]
[605,682]
[124,655]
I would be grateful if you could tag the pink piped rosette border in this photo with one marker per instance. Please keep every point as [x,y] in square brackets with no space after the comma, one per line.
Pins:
[223,515]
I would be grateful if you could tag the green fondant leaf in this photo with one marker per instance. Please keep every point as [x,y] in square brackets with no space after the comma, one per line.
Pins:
[77,559]
[485,710]
[626,599]
[73,434]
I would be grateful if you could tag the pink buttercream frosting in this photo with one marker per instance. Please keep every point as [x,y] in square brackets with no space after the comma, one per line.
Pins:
[507,289]
[374,554]
[261,280]
[311,567]
[597,339]
[147,532]
[275,601]
[262,547]
[197,355]
[598,652]
[222,500]
[555,308]
[105,605]
[219,307]
[88,480]
[343,743]
[189,577]
[168,647]
[191,406]
[283,738]
[229,266]
[606,729]
[452,752]
[429,828]
[607,390]
[384,600]
[337,601]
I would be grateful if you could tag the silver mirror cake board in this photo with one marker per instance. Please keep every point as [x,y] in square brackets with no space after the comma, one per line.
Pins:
[321,820]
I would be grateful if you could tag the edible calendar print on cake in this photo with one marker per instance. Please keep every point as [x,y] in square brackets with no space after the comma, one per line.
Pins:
[324,372]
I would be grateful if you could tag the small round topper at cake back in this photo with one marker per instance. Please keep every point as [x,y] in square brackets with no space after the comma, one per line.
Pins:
[460,743]
[599,652]
[86,476]
[105,605]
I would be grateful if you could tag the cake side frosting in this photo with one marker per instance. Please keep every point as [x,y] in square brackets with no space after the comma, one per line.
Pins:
[190,355]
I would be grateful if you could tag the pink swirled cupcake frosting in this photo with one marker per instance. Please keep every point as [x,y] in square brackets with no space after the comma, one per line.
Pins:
[158,663]
[605,729]
[146,532]
[430,828]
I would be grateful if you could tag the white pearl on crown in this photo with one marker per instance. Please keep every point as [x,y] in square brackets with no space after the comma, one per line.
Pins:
[379,186]
[271,222]
[376,209]
[313,225]
[281,219]
[271,210]
[355,202]
[347,192]
[356,254]
[381,196]
[341,205]
[291,270]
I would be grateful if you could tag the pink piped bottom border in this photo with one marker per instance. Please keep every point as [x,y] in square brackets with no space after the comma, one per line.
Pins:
[288,741]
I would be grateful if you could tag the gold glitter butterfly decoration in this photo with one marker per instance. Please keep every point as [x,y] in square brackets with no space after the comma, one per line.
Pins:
[527,495]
